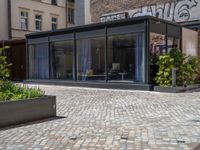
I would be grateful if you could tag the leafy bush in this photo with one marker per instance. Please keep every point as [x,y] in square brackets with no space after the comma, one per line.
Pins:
[187,71]
[10,91]
[164,75]
[4,70]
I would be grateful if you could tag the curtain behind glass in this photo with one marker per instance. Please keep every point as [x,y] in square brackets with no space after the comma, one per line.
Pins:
[85,59]
[138,57]
[39,61]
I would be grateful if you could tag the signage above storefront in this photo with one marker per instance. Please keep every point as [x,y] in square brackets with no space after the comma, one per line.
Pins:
[114,16]
[180,11]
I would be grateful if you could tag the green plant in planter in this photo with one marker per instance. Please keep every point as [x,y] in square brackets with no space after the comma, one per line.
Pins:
[164,75]
[12,92]
[187,71]
[4,66]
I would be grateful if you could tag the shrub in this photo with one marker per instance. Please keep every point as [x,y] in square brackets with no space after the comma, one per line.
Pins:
[164,75]
[187,71]
[4,66]
[10,91]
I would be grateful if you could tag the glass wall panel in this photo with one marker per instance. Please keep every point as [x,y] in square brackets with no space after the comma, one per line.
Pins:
[126,58]
[39,61]
[91,59]
[62,60]
[172,42]
[157,43]
[173,37]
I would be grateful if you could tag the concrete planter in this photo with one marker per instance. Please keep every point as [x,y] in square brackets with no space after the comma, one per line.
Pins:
[176,89]
[17,112]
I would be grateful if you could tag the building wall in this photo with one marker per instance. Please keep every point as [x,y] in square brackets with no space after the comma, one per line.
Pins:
[3,20]
[33,7]
[172,10]
[82,9]
[189,42]
[183,11]
[70,5]
[100,7]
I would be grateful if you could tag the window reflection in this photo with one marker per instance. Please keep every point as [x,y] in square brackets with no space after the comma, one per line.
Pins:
[172,42]
[157,43]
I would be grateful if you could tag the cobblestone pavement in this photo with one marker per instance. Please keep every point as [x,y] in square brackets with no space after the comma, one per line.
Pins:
[97,119]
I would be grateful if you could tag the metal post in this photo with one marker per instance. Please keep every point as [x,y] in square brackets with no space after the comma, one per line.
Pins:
[174,77]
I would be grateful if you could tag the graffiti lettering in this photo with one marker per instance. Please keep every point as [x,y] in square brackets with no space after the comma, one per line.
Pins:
[181,11]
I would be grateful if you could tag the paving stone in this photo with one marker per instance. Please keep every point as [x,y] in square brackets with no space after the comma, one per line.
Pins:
[113,120]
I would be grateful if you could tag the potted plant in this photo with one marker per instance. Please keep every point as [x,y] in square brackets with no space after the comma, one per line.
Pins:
[20,104]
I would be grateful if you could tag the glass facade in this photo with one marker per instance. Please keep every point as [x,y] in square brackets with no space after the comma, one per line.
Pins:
[163,37]
[125,58]
[117,52]
[62,60]
[91,59]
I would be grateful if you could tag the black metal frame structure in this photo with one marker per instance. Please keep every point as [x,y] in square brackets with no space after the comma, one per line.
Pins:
[132,25]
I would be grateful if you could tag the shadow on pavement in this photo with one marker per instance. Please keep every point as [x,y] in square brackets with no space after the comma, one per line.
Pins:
[31,123]
[192,91]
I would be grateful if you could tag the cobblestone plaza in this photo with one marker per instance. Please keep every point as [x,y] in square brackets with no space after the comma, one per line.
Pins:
[97,119]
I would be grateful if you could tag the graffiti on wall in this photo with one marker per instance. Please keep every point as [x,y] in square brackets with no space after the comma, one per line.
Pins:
[180,11]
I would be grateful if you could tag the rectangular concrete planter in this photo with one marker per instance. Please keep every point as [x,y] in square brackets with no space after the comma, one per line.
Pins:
[17,112]
[176,89]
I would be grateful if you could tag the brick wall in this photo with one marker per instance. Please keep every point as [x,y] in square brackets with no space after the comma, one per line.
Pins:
[99,7]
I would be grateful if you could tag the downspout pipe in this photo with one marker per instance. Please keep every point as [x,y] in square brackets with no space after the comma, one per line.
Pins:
[9,20]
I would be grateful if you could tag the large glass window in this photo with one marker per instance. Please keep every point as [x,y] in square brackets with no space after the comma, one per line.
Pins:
[125,58]
[62,60]
[157,43]
[173,37]
[39,61]
[172,42]
[91,59]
